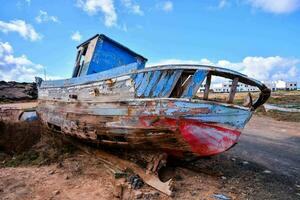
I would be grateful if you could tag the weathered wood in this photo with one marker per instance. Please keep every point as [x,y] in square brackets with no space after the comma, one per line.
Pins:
[136,111]
[194,84]
[233,90]
[13,112]
[171,83]
[156,91]
[152,83]
[207,86]
[117,163]
[145,82]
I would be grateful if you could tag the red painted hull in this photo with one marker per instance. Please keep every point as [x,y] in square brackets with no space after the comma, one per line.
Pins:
[204,139]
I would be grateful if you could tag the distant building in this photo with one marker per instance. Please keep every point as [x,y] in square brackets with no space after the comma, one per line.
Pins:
[226,87]
[281,85]
[241,87]
[291,85]
[271,85]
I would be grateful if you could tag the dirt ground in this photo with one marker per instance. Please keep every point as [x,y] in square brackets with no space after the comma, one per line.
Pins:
[264,165]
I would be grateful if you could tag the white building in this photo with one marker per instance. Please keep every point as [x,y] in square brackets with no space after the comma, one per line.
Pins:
[241,87]
[291,85]
[226,86]
[271,85]
[281,85]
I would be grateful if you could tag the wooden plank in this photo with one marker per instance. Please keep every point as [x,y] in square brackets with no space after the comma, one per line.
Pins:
[195,83]
[108,74]
[160,85]
[138,78]
[153,82]
[207,86]
[117,164]
[233,90]
[171,83]
[145,82]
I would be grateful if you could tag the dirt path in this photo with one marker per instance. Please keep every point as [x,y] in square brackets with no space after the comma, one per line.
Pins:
[273,144]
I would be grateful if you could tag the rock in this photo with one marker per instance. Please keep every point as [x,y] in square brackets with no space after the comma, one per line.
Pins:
[267,172]
[245,162]
[60,165]
[56,192]
[14,91]
[51,172]
[151,195]
[222,197]
[193,193]
[138,194]
[135,181]
[223,177]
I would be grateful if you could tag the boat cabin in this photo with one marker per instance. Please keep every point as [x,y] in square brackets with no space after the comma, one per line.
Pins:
[101,53]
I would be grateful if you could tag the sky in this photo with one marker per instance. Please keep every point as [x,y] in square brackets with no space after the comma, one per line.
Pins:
[260,38]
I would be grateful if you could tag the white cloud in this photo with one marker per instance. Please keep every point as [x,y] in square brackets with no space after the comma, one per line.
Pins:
[5,48]
[105,6]
[76,36]
[133,7]
[222,3]
[25,30]
[276,6]
[167,6]
[261,68]
[44,17]
[16,68]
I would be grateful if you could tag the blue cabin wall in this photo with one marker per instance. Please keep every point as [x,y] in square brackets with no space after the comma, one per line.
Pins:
[108,55]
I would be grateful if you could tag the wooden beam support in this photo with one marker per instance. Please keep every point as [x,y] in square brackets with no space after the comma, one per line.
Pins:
[233,90]
[207,86]
[117,164]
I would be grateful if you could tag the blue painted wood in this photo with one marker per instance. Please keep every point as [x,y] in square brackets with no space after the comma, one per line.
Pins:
[141,89]
[194,85]
[218,113]
[170,84]
[160,85]
[112,73]
[137,78]
[152,83]
[109,54]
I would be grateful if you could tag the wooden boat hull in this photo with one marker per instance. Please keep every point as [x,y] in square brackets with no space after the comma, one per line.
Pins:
[174,126]
[147,109]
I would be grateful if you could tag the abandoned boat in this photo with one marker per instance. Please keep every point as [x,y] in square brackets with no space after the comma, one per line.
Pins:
[112,99]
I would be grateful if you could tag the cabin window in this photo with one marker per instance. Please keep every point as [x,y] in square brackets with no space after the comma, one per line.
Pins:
[80,61]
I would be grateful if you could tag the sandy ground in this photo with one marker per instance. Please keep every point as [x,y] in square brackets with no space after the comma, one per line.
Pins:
[264,165]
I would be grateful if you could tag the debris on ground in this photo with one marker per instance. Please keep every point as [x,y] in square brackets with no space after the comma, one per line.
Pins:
[222,197]
[49,167]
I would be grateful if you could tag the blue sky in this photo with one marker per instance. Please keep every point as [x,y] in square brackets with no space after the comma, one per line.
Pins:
[257,37]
